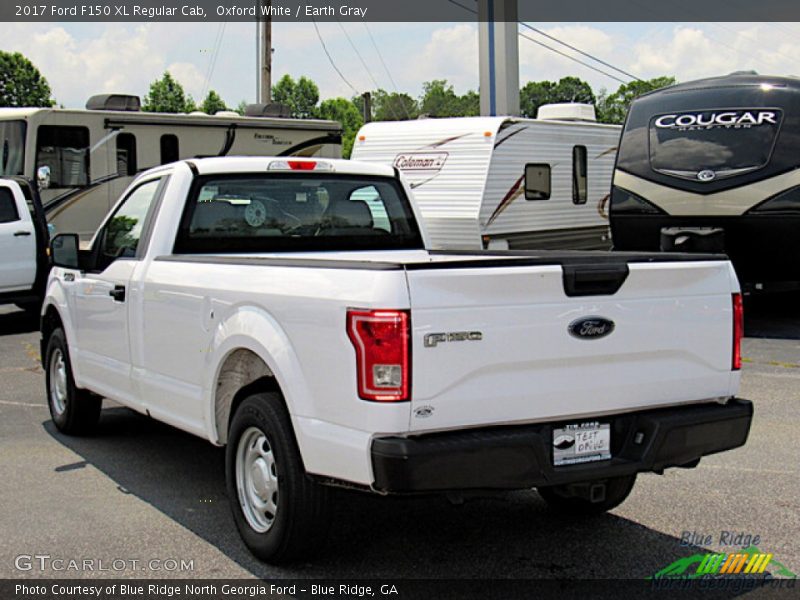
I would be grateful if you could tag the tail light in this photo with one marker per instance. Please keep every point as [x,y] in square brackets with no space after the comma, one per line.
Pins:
[738,331]
[381,341]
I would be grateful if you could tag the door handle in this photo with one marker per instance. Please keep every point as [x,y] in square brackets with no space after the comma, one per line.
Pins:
[118,293]
[21,233]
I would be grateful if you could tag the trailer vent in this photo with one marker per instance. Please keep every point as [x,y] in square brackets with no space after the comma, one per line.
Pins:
[117,102]
[273,110]
[566,111]
[228,114]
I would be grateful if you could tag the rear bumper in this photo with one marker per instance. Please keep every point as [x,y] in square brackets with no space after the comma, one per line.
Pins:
[520,457]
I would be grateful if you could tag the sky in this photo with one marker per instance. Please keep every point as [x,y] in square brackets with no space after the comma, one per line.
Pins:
[82,59]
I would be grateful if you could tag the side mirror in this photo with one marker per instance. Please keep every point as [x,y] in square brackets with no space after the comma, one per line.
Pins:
[64,250]
[537,181]
[43,177]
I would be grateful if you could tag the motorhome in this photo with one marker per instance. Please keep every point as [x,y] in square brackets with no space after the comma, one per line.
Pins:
[82,160]
[504,182]
[712,165]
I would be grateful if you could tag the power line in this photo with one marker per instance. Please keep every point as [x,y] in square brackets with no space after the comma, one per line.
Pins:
[388,72]
[579,51]
[565,55]
[330,58]
[214,55]
[363,62]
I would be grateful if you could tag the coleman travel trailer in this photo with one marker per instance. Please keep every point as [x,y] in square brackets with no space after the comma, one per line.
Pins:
[504,182]
[82,160]
[712,165]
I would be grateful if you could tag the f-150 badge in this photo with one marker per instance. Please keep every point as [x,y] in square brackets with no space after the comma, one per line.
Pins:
[431,340]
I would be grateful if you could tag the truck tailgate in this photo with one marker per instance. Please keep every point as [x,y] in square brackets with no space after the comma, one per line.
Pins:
[492,345]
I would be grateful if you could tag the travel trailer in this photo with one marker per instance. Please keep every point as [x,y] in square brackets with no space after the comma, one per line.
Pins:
[82,160]
[712,165]
[504,182]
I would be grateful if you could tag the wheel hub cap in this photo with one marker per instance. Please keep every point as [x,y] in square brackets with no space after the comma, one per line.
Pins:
[257,479]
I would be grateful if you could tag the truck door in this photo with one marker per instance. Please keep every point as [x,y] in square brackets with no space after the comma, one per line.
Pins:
[17,240]
[101,298]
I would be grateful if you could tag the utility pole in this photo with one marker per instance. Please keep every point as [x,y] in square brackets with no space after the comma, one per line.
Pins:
[265,54]
[498,49]
[367,106]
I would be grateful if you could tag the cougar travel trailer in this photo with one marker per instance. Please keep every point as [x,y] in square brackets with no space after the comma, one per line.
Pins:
[469,179]
[84,159]
[712,165]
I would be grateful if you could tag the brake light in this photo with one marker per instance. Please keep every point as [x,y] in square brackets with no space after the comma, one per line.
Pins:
[299,165]
[380,338]
[738,331]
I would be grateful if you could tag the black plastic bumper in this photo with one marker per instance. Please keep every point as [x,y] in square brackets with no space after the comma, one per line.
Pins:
[521,457]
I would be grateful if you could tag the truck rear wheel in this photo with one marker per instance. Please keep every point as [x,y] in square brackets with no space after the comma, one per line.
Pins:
[74,411]
[280,512]
[589,498]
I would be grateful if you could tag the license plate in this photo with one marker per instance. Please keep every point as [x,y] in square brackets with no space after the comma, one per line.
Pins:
[580,443]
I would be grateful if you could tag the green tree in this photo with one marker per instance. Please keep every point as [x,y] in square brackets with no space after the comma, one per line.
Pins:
[439,99]
[533,95]
[346,112]
[612,108]
[573,89]
[568,89]
[393,106]
[21,83]
[213,103]
[470,104]
[241,107]
[166,95]
[300,96]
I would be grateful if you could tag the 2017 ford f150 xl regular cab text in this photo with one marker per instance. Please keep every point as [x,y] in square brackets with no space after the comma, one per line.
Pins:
[289,309]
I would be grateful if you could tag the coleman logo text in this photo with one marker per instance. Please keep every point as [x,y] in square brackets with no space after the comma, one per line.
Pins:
[420,161]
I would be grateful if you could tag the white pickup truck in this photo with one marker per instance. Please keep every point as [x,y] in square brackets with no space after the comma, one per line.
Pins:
[288,308]
[23,244]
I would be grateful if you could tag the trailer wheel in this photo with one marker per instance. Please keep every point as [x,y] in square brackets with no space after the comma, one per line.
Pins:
[589,498]
[74,411]
[280,512]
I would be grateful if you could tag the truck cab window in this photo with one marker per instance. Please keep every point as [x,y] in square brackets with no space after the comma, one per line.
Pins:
[169,148]
[124,230]
[65,150]
[291,212]
[126,154]
[580,188]
[371,197]
[8,207]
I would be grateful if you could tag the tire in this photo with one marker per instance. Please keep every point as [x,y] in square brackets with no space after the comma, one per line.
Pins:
[562,499]
[282,515]
[74,411]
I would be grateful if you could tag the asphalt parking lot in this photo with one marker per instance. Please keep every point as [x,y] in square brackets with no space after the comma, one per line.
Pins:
[142,491]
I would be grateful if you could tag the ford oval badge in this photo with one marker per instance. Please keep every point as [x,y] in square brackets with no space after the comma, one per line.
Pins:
[591,328]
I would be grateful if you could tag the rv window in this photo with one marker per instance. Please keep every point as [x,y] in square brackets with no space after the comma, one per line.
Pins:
[12,146]
[126,154]
[579,180]
[537,181]
[169,149]
[8,207]
[725,142]
[65,150]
